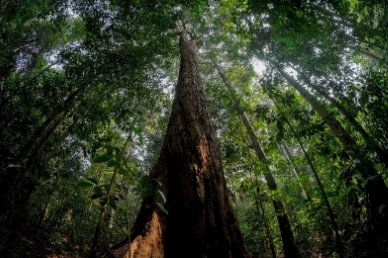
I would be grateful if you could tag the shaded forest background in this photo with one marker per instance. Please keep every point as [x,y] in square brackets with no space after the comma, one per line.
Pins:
[297,92]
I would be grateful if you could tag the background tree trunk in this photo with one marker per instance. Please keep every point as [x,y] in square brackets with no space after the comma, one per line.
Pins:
[285,150]
[289,246]
[317,181]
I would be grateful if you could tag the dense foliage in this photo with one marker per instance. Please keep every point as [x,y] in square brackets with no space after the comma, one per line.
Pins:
[86,90]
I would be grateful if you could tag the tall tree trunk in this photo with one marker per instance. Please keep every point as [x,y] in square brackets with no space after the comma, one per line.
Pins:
[76,118]
[259,201]
[21,182]
[370,141]
[376,191]
[289,246]
[324,196]
[50,194]
[40,134]
[111,218]
[200,220]
[260,208]
[287,154]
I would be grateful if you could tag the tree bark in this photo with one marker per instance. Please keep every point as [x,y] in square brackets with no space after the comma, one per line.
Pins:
[200,220]
[289,247]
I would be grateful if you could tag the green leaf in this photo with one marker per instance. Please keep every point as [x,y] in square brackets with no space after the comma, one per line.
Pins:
[94,181]
[356,161]
[14,166]
[123,172]
[239,143]
[96,146]
[252,189]
[85,184]
[373,178]
[162,208]
[371,181]
[381,208]
[113,163]
[102,202]
[110,149]
[136,130]
[106,187]
[299,14]
[160,183]
[103,158]
[160,195]
[95,196]
[97,190]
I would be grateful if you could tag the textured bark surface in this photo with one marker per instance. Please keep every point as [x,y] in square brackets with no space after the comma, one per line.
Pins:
[200,220]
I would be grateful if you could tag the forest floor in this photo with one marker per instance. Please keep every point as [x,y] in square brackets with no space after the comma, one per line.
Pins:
[35,243]
[41,243]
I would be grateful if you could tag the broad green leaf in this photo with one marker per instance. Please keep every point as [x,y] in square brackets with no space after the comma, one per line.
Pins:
[162,208]
[160,183]
[103,158]
[123,172]
[96,196]
[113,163]
[97,190]
[103,202]
[110,149]
[160,195]
[239,143]
[94,181]
[85,184]
[106,187]
[299,14]
[96,145]
[381,208]
[370,181]
[14,166]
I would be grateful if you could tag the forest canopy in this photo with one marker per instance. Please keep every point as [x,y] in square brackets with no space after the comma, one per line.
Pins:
[194,128]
